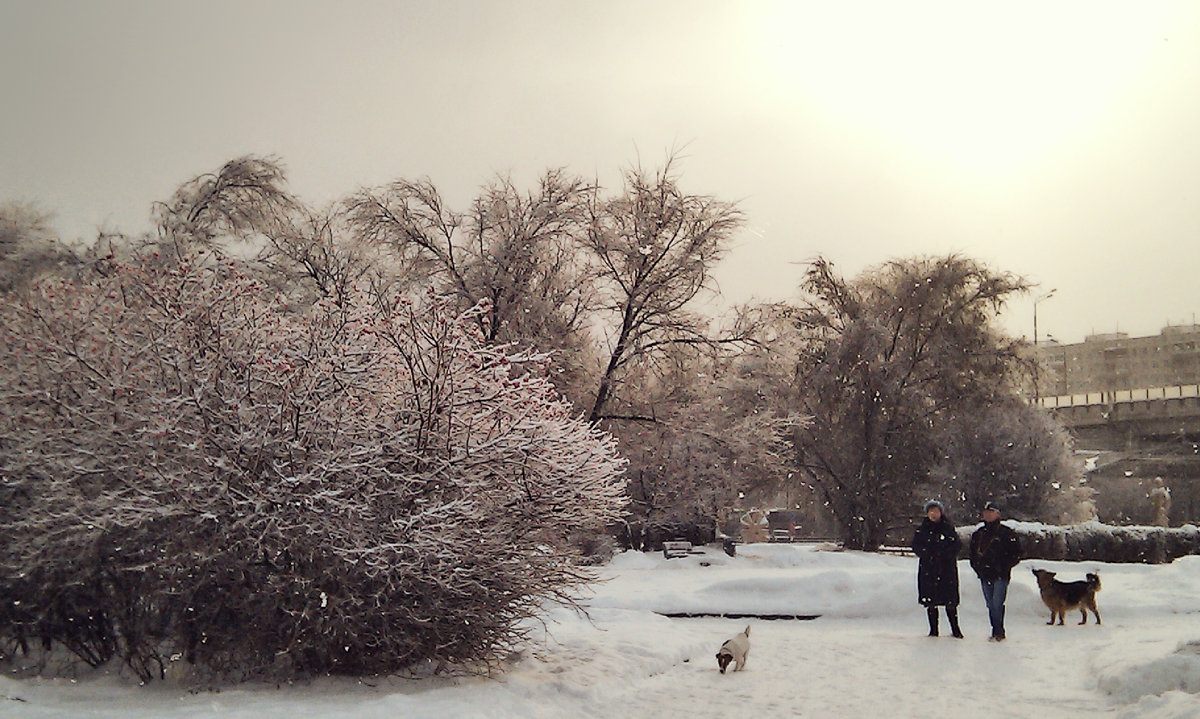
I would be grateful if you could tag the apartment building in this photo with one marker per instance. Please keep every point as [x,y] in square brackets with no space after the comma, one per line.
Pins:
[1116,361]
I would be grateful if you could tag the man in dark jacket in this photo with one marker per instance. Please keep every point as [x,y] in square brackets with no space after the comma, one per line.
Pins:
[936,545]
[995,550]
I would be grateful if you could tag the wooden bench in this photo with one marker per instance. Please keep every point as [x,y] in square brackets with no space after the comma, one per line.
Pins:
[674,549]
[818,540]
[783,536]
[780,534]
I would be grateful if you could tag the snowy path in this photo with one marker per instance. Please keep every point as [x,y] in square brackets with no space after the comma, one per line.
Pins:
[823,668]
[846,667]
[867,656]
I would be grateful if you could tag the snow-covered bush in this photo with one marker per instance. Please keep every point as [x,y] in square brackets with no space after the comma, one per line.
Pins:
[1093,541]
[191,471]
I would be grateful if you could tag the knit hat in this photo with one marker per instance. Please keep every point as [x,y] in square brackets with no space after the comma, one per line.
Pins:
[934,503]
[992,506]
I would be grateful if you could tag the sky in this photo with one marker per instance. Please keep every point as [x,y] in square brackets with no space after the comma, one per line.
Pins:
[1056,141]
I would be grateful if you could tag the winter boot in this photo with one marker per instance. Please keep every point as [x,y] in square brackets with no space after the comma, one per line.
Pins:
[933,620]
[952,615]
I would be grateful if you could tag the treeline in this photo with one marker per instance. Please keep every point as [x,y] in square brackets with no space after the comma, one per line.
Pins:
[392,402]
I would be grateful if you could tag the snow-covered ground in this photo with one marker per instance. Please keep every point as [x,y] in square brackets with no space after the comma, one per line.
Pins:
[866,655]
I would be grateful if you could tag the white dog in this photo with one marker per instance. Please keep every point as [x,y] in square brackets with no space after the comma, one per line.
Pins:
[735,650]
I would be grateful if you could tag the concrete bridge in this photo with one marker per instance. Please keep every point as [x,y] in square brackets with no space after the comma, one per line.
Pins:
[1126,419]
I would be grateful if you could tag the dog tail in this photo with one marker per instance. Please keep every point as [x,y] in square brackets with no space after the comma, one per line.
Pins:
[1094,580]
[747,632]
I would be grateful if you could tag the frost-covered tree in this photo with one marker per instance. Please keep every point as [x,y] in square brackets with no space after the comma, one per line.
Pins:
[654,246]
[515,251]
[564,261]
[28,244]
[190,470]
[247,196]
[1013,452]
[303,252]
[887,358]
[721,432]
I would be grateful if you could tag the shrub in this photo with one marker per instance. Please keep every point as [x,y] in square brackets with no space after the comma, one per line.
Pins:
[190,470]
[1093,541]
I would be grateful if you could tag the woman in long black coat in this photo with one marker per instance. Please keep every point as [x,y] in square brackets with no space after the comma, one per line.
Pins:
[936,545]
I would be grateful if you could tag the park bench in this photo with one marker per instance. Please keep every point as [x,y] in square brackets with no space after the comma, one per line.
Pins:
[818,540]
[678,548]
[782,535]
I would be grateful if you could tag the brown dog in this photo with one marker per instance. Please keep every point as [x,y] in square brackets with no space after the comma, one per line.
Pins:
[1062,597]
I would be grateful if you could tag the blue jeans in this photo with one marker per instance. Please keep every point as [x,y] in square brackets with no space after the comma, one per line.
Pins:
[994,593]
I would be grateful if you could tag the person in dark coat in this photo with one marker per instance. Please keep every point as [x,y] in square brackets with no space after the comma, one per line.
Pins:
[995,550]
[936,545]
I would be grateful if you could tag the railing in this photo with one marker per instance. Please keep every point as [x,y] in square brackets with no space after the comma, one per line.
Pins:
[1147,394]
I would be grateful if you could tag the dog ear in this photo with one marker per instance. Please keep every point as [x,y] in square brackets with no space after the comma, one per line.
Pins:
[747,632]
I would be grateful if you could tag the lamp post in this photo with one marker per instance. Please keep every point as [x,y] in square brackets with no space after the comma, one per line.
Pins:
[1037,360]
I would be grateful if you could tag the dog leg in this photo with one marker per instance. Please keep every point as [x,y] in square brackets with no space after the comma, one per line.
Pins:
[1083,613]
[1052,615]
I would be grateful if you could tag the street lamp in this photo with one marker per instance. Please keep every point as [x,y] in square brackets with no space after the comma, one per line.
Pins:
[1037,360]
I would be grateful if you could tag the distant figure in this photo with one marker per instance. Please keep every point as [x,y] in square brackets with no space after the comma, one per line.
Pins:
[936,545]
[727,522]
[1160,497]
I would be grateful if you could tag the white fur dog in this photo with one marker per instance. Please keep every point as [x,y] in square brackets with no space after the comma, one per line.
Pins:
[735,649]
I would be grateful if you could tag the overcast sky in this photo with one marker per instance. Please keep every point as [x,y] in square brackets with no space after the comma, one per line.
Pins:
[1057,140]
